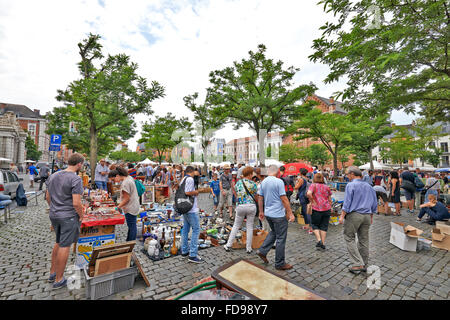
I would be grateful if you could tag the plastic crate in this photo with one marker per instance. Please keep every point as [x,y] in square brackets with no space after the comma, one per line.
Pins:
[108,284]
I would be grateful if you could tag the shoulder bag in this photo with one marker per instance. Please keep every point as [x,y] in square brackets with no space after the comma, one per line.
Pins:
[248,192]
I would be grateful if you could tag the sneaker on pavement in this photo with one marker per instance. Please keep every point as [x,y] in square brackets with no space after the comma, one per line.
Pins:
[52,277]
[319,244]
[185,254]
[226,248]
[60,284]
[195,259]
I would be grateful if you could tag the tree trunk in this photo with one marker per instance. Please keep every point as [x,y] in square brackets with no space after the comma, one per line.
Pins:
[262,152]
[370,159]
[93,151]
[335,165]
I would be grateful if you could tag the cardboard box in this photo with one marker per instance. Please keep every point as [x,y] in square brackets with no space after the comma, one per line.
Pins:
[403,237]
[404,204]
[444,226]
[86,245]
[301,220]
[258,239]
[334,221]
[380,209]
[440,240]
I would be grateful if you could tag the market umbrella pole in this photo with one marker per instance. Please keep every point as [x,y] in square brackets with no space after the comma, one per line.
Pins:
[53,162]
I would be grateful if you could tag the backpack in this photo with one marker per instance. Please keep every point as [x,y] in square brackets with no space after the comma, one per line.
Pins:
[418,182]
[139,187]
[21,198]
[183,203]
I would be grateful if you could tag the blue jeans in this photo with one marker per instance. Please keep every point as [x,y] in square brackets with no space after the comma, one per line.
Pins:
[101,185]
[216,199]
[190,220]
[132,226]
[5,200]
[278,233]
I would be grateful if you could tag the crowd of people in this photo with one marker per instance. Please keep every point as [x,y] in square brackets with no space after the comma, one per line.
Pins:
[254,195]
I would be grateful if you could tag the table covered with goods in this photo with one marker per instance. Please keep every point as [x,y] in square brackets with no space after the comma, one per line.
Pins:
[100,217]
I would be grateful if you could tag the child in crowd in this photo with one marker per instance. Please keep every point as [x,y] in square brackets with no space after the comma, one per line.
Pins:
[215,190]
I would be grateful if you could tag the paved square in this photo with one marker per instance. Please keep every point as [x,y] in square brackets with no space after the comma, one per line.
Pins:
[26,243]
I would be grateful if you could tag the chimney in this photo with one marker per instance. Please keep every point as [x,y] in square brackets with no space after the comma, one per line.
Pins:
[332,107]
[37,111]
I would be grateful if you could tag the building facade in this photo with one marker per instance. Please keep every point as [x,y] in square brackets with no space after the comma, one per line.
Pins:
[441,142]
[12,140]
[33,123]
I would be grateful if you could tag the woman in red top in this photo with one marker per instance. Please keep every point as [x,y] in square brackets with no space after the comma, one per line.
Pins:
[319,194]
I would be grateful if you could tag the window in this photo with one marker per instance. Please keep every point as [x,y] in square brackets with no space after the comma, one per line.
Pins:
[444,146]
[11,177]
[445,162]
[32,129]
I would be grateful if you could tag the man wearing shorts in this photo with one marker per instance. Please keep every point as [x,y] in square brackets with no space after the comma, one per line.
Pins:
[64,191]
[226,195]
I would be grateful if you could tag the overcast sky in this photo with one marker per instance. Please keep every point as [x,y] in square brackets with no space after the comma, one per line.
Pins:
[176,43]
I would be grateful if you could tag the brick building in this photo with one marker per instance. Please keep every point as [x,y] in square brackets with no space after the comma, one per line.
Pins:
[325,105]
[32,122]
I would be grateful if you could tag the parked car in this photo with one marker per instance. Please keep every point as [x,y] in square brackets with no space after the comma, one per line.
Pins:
[9,181]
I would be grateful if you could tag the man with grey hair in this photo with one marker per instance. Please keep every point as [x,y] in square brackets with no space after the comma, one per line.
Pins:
[275,207]
[360,203]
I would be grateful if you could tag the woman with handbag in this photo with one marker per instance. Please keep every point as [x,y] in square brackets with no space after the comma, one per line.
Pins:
[319,194]
[394,192]
[247,208]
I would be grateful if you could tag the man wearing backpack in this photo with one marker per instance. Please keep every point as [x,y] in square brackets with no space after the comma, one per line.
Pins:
[191,219]
[288,182]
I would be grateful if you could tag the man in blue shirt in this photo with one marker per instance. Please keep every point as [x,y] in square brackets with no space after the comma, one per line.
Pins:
[360,203]
[275,207]
[190,220]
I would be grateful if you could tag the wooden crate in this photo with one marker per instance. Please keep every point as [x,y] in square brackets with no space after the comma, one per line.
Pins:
[113,263]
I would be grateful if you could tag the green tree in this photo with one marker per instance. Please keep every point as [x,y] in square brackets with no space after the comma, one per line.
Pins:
[161,133]
[402,60]
[32,151]
[206,122]
[258,92]
[334,131]
[434,156]
[290,153]
[125,155]
[104,101]
[316,154]
[425,134]
[371,126]
[344,156]
[400,148]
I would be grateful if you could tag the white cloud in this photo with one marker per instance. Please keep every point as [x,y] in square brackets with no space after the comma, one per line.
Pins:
[176,43]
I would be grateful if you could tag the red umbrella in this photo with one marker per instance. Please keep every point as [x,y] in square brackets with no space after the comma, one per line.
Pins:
[294,168]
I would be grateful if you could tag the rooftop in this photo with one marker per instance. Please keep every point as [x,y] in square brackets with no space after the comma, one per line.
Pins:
[20,110]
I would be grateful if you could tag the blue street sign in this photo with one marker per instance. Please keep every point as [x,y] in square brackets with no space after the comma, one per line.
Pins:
[55,140]
[54,148]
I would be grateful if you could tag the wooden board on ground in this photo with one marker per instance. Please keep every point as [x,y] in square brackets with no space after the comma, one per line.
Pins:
[112,263]
[108,251]
[256,282]
[141,271]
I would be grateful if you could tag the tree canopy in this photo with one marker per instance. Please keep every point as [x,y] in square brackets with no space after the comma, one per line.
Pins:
[161,133]
[393,53]
[258,92]
[104,101]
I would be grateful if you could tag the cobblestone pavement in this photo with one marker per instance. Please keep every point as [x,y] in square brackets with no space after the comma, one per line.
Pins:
[26,243]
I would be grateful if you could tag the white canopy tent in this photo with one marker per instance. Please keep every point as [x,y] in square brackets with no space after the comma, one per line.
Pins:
[269,162]
[225,163]
[376,166]
[147,161]
[5,159]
